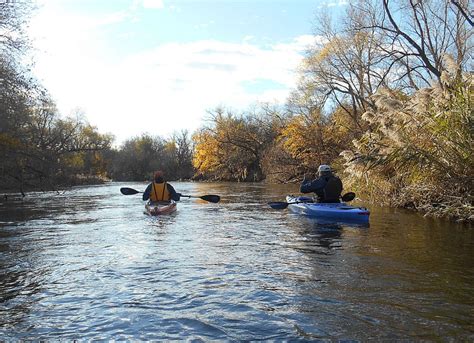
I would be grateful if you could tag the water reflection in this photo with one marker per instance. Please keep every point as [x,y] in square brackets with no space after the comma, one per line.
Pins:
[90,264]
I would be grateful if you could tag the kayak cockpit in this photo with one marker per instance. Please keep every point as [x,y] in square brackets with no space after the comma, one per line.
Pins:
[160,207]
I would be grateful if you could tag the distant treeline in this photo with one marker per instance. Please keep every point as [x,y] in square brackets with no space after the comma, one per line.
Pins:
[384,96]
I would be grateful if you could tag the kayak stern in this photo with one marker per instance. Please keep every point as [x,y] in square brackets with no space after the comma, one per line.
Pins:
[328,211]
[160,208]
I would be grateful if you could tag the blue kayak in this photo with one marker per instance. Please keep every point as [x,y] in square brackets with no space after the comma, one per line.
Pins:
[328,211]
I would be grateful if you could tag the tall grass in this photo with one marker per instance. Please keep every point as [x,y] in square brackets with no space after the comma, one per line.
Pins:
[418,151]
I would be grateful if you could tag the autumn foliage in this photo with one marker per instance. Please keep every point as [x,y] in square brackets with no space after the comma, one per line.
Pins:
[384,96]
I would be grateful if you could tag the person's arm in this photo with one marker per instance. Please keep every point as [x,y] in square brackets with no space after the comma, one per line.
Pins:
[312,186]
[146,194]
[174,195]
[305,187]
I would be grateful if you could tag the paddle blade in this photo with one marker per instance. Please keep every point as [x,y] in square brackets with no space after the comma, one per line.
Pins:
[128,191]
[348,197]
[211,198]
[278,205]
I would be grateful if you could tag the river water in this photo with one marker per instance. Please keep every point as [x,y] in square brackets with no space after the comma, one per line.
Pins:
[89,264]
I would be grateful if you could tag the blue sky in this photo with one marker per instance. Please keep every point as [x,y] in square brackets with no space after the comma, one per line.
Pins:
[157,66]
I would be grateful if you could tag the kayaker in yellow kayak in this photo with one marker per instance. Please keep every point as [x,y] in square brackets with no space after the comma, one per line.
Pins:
[328,187]
[160,190]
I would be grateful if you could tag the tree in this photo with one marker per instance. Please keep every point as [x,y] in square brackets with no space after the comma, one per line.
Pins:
[345,67]
[139,157]
[184,154]
[232,147]
[416,35]
[13,17]
[39,149]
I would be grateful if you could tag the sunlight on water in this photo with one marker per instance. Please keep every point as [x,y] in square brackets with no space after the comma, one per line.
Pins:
[89,264]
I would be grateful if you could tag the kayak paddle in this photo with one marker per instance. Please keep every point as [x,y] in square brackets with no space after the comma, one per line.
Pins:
[281,205]
[129,191]
[348,197]
[210,198]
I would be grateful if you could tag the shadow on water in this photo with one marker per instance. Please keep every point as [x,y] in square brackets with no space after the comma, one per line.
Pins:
[323,233]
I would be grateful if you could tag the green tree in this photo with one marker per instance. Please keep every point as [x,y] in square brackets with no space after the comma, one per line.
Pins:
[139,157]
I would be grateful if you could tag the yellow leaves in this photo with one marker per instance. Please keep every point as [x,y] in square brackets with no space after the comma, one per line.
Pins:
[335,46]
[323,54]
[361,39]
[170,146]
[75,160]
[232,147]
[294,136]
[205,153]
[303,139]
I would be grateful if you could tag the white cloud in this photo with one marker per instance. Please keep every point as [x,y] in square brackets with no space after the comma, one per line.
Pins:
[154,4]
[159,90]
[338,3]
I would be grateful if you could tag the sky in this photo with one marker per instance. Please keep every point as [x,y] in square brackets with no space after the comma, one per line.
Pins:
[158,66]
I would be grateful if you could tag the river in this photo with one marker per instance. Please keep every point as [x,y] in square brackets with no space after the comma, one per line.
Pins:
[89,264]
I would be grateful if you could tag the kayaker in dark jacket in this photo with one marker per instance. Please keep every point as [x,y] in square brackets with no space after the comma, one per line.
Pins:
[159,190]
[327,186]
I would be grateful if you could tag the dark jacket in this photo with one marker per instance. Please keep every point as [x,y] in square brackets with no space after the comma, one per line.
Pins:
[174,195]
[328,188]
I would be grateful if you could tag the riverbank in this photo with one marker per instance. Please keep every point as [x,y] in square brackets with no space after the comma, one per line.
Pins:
[429,201]
[426,201]
[57,186]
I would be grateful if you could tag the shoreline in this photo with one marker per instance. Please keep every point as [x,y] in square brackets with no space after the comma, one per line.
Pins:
[462,212]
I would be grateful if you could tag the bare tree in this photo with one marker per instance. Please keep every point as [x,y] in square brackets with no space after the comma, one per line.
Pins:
[346,66]
[184,154]
[464,10]
[417,35]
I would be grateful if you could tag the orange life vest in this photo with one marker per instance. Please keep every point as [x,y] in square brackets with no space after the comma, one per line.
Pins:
[159,192]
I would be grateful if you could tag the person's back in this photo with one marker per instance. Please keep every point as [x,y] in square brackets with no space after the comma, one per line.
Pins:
[328,187]
[159,190]
[333,189]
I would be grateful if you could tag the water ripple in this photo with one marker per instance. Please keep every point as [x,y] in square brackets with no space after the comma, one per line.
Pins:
[89,265]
